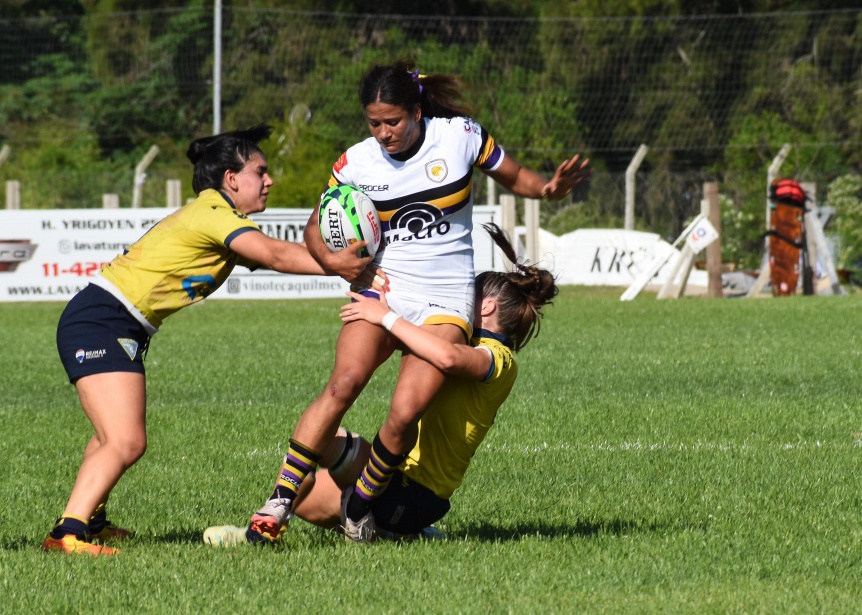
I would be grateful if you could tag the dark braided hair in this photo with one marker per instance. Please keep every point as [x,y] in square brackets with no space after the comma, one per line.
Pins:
[520,294]
[214,155]
[398,84]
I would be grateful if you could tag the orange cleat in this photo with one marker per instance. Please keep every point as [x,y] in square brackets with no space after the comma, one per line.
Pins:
[269,528]
[111,532]
[72,544]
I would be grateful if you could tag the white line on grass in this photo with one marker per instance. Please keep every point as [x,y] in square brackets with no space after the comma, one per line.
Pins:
[639,445]
[623,446]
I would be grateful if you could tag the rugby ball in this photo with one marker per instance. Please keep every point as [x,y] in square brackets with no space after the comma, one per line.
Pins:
[346,216]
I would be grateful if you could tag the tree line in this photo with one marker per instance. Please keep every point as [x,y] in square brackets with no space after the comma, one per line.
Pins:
[714,89]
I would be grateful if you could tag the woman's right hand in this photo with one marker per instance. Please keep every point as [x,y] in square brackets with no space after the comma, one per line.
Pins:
[347,263]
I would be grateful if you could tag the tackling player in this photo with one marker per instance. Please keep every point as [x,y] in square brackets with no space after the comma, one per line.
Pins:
[104,331]
[507,314]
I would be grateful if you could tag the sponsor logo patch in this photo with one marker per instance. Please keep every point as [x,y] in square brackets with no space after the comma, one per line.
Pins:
[83,355]
[341,162]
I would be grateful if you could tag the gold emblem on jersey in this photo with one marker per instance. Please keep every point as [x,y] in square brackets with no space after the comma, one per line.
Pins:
[436,170]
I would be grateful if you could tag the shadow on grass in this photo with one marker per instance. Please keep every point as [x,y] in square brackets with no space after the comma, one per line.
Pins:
[175,537]
[480,531]
[192,537]
[20,544]
[178,537]
[579,529]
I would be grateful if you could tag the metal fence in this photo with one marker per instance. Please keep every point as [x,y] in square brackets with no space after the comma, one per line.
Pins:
[600,86]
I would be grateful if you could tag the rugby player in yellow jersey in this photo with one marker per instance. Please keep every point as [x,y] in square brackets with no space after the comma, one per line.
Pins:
[105,329]
[507,314]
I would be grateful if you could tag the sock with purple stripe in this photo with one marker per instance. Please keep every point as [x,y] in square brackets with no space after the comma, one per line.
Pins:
[374,479]
[299,461]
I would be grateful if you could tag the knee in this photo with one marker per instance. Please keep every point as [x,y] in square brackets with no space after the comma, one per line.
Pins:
[402,424]
[345,385]
[137,449]
[405,412]
[131,448]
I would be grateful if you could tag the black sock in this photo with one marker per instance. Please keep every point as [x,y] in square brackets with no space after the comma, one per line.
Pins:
[98,522]
[70,525]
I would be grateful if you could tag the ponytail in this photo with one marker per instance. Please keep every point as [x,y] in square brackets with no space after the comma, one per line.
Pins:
[520,294]
[402,85]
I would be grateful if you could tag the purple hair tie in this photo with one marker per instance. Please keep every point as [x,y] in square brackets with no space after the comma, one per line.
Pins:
[415,75]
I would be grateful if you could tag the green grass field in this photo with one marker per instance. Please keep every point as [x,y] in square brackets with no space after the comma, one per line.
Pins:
[688,456]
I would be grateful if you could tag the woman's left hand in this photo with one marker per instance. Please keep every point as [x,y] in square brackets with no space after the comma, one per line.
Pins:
[568,175]
[365,308]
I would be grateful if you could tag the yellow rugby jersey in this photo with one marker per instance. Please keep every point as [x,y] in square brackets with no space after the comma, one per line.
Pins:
[424,198]
[458,419]
[182,259]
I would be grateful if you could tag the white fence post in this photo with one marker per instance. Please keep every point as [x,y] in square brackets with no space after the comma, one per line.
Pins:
[141,176]
[631,174]
[13,194]
[531,222]
[507,217]
[492,192]
[174,193]
[217,52]
[713,250]
[110,201]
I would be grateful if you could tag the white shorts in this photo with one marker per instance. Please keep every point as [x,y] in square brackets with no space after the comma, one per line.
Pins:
[431,305]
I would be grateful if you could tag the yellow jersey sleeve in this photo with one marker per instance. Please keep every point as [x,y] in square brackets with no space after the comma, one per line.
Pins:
[182,259]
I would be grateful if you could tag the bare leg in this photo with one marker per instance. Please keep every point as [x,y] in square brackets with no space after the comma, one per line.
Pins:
[116,405]
[320,502]
[361,349]
[418,383]
[319,499]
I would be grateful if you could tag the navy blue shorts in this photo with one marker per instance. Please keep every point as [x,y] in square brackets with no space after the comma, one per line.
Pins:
[406,507]
[97,334]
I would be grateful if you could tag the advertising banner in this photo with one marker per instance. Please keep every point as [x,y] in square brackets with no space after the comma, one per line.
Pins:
[606,257]
[49,255]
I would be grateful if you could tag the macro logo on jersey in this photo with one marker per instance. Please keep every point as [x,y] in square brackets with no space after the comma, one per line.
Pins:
[436,170]
[416,221]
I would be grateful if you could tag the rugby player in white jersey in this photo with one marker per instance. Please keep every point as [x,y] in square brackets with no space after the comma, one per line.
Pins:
[417,167]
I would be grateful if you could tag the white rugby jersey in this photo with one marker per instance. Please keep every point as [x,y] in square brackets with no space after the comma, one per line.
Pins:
[425,202]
